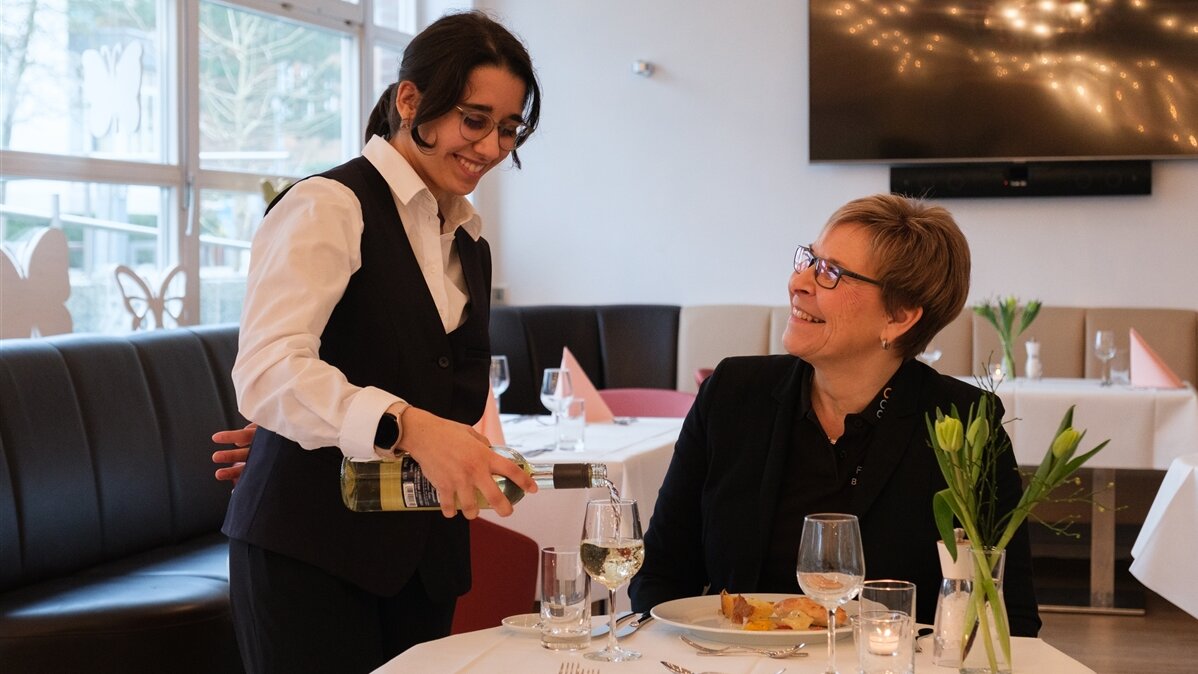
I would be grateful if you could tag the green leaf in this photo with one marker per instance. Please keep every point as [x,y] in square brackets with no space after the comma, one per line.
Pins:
[942,510]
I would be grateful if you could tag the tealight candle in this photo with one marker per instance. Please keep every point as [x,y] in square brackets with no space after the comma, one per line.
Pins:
[998,374]
[883,641]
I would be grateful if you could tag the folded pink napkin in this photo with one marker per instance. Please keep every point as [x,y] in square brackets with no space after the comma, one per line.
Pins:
[1147,368]
[597,410]
[489,424]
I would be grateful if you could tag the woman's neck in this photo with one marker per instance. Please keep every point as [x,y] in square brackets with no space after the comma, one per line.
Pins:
[838,392]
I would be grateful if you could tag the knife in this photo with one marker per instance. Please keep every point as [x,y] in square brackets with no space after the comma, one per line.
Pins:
[625,624]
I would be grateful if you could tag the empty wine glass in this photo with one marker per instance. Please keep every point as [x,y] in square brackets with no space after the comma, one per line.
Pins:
[930,354]
[1104,349]
[500,379]
[556,391]
[612,552]
[831,566]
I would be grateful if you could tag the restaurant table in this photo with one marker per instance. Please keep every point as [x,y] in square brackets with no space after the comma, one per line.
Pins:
[1147,427]
[501,650]
[1164,550]
[637,452]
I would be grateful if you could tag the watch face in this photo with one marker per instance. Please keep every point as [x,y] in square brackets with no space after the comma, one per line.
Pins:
[387,432]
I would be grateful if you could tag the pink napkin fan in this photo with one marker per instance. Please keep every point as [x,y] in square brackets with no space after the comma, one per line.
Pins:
[597,410]
[1148,370]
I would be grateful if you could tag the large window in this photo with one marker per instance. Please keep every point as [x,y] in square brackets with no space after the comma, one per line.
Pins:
[136,135]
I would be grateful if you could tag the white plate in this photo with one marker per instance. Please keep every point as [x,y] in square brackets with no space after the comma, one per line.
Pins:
[525,623]
[701,617]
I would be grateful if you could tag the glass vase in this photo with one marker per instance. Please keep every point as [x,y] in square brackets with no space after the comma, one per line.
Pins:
[1008,362]
[986,646]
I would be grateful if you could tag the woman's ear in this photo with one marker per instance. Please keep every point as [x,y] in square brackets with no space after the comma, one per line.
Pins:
[901,320]
[407,100]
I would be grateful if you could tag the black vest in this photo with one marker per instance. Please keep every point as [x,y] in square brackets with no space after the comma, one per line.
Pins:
[384,332]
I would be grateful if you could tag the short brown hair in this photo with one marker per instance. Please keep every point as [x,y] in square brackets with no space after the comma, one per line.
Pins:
[921,257]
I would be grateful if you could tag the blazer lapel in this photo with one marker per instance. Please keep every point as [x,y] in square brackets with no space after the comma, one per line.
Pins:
[787,396]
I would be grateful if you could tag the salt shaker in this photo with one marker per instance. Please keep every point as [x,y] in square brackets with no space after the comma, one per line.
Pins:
[951,603]
[1033,370]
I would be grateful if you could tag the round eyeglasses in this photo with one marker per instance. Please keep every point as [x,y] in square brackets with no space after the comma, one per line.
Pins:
[827,274]
[477,125]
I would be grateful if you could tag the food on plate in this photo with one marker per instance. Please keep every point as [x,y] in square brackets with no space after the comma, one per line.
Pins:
[793,613]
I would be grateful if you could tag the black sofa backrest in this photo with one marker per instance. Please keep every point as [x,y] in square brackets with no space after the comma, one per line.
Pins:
[84,417]
[619,346]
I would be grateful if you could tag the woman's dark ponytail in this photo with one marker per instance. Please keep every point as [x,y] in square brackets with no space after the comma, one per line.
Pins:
[384,119]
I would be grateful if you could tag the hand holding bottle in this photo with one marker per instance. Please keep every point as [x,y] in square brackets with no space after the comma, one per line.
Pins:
[458,460]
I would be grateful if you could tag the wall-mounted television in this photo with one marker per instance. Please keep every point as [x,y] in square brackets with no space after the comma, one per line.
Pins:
[910,81]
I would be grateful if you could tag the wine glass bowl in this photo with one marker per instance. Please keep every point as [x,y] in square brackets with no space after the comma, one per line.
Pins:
[930,354]
[612,552]
[556,391]
[501,377]
[1104,350]
[831,566]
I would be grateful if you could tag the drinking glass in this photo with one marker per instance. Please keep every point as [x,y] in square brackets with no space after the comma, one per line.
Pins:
[1104,348]
[612,552]
[556,391]
[831,566]
[500,379]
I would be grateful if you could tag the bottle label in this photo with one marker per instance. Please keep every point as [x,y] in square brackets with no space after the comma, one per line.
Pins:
[418,492]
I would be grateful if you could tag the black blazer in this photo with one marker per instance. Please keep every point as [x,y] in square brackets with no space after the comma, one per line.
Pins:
[715,509]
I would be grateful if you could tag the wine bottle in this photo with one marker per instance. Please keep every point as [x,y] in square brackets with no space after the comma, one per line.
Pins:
[373,486]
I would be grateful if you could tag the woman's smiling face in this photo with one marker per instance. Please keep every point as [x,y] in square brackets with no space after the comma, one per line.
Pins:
[842,323]
[454,165]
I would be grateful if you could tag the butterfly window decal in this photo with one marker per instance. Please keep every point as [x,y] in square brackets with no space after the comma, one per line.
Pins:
[35,284]
[112,88]
[146,306]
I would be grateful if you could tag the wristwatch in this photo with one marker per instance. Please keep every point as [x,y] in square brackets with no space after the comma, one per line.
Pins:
[389,430]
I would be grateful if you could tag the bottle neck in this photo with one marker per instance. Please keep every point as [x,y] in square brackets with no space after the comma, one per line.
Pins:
[569,475]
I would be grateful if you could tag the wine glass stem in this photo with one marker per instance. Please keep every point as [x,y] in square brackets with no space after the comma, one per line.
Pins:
[1106,372]
[611,611]
[831,641]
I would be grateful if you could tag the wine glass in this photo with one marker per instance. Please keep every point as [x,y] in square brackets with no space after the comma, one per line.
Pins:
[831,566]
[612,552]
[556,391]
[1104,348]
[500,379]
[930,354]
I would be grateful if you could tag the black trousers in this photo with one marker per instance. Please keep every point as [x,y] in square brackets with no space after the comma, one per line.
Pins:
[293,617]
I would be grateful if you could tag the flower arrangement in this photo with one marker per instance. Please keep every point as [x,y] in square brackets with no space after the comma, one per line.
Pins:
[967,452]
[1003,314]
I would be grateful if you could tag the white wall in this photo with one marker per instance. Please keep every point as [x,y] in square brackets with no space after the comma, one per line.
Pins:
[693,187]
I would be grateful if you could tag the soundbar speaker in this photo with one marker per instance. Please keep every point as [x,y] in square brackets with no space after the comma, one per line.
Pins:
[1019,179]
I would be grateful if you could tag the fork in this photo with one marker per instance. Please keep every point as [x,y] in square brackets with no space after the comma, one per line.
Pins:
[777,653]
[575,668]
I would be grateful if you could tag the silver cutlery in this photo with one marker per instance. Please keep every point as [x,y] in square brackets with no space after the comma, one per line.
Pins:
[775,653]
[679,669]
[575,668]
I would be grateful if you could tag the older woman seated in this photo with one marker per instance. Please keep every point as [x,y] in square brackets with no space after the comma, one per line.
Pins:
[836,426]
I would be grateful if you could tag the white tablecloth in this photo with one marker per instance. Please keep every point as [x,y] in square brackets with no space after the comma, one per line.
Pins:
[1148,428]
[637,455]
[1164,550]
[500,650]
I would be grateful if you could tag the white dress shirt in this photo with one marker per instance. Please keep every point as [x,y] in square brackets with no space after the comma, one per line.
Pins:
[302,257]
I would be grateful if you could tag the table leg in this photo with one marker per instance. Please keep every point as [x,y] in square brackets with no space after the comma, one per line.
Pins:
[1102,540]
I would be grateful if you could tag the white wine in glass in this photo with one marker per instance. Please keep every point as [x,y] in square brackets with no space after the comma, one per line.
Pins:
[831,566]
[612,552]
[1104,349]
[500,377]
